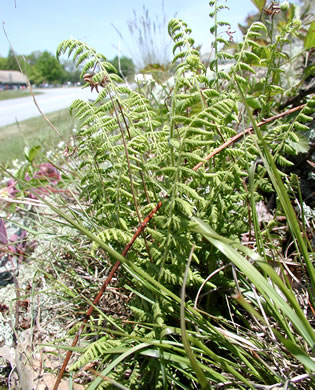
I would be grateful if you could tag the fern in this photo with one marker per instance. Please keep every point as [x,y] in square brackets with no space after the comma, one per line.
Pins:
[93,351]
[133,153]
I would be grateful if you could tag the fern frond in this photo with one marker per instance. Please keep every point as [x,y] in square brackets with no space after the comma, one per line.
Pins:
[95,351]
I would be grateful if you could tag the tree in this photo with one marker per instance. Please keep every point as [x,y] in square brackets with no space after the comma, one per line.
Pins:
[72,73]
[124,65]
[32,58]
[34,75]
[11,63]
[50,69]
[3,63]
[41,67]
[31,70]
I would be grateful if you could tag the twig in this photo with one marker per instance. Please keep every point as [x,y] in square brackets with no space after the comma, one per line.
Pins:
[18,296]
[133,190]
[143,225]
[33,202]
[127,157]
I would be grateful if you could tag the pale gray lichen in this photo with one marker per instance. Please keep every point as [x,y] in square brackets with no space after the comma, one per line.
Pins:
[309,213]
[6,334]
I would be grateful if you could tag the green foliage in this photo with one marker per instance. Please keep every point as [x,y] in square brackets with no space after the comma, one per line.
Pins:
[11,63]
[41,67]
[125,66]
[309,41]
[133,150]
[3,63]
[259,4]
[49,68]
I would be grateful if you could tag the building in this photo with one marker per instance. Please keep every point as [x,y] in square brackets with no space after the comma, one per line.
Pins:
[12,79]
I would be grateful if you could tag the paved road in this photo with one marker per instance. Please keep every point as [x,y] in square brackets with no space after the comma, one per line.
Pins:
[50,100]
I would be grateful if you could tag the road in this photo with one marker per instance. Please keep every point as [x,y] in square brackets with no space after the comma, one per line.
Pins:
[51,99]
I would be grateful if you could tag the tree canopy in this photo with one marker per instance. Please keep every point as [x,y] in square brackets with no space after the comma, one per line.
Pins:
[124,66]
[43,67]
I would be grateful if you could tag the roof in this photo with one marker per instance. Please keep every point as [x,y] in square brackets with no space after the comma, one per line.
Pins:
[12,77]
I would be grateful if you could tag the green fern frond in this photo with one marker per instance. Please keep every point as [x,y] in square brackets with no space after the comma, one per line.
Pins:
[95,351]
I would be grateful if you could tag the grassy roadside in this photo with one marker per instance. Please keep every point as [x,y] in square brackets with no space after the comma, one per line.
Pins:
[14,94]
[34,131]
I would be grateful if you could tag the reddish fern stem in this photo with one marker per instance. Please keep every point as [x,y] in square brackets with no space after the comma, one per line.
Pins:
[147,220]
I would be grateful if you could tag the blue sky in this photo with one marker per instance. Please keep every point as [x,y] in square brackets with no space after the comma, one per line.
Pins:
[42,24]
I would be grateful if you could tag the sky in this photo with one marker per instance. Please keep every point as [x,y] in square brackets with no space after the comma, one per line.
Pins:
[33,25]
